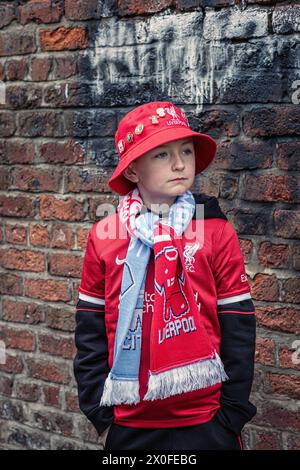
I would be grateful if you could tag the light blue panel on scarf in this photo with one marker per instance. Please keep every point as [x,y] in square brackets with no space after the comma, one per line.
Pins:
[127,349]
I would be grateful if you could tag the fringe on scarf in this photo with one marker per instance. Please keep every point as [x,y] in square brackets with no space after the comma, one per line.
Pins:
[186,379]
[117,392]
[183,379]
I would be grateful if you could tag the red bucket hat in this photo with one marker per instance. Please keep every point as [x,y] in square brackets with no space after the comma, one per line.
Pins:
[151,125]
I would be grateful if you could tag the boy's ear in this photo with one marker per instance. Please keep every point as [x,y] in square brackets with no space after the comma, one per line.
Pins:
[130,173]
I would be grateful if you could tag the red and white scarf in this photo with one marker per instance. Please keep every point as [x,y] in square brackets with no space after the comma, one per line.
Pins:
[182,356]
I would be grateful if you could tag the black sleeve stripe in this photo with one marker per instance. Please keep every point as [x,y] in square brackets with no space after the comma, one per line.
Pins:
[243,306]
[84,305]
[236,312]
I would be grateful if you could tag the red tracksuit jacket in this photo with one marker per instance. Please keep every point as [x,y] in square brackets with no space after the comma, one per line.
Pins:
[222,292]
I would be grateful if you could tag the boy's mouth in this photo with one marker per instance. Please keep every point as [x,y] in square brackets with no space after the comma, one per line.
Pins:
[178,179]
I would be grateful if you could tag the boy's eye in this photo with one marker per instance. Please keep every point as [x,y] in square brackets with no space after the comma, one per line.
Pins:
[160,155]
[163,154]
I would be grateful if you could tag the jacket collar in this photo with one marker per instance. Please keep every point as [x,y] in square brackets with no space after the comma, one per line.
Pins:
[211,207]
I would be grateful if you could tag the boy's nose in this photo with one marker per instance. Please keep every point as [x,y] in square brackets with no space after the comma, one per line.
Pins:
[178,162]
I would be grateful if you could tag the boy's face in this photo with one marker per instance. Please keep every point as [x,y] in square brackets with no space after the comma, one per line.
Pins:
[155,171]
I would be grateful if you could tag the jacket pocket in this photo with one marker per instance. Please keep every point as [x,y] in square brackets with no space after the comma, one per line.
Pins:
[223,437]
[108,437]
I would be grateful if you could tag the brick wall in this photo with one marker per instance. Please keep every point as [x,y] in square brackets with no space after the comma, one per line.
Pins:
[69,71]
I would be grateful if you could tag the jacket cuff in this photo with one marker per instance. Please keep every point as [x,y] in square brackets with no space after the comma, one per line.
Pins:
[235,418]
[102,418]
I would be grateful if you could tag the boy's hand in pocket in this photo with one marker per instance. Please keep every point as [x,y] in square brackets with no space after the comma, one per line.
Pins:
[103,436]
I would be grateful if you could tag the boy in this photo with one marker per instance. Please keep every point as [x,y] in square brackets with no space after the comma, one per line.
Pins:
[165,324]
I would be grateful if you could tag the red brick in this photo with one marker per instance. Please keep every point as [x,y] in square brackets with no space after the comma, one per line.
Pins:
[285,319]
[266,440]
[16,234]
[282,384]
[20,96]
[296,256]
[242,155]
[6,385]
[41,11]
[18,41]
[17,152]
[57,345]
[47,289]
[5,178]
[40,68]
[136,7]
[63,38]
[60,318]
[22,312]
[265,351]
[273,256]
[288,155]
[271,188]
[24,437]
[7,14]
[37,179]
[17,339]
[65,265]
[13,365]
[54,208]
[12,411]
[229,187]
[65,67]
[291,290]
[56,423]
[52,396]
[287,223]
[11,284]
[7,124]
[217,121]
[17,206]
[265,287]
[75,284]
[16,69]
[72,402]
[82,236]
[68,152]
[23,260]
[277,120]
[277,415]
[95,202]
[27,391]
[62,237]
[39,235]
[293,441]
[88,9]
[36,123]
[88,432]
[209,184]
[48,370]
[290,358]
